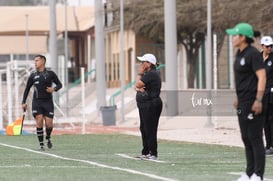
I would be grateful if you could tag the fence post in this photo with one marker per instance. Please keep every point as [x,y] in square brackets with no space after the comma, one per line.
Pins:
[9,91]
[83,99]
[1,106]
[16,88]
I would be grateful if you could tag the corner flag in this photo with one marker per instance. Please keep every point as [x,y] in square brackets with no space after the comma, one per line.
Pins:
[16,127]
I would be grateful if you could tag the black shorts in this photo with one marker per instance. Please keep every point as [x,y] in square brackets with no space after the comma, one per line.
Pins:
[44,107]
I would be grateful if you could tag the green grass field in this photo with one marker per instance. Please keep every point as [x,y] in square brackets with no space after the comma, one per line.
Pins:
[95,157]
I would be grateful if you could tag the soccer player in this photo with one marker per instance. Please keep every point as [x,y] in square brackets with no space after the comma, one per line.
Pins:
[267,54]
[250,80]
[45,82]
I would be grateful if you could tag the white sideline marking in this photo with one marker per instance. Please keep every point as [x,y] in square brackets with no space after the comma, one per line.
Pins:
[92,163]
[35,166]
[127,156]
[240,173]
[133,158]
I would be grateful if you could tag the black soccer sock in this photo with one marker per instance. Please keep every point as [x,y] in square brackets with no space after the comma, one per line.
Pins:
[40,135]
[48,132]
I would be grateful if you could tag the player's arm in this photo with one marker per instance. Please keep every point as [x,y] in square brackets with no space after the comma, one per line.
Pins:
[257,105]
[26,92]
[139,83]
[261,75]
[139,86]
[57,82]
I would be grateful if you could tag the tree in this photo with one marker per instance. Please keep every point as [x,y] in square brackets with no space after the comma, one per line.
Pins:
[25,2]
[147,18]
[19,2]
[260,15]
[191,31]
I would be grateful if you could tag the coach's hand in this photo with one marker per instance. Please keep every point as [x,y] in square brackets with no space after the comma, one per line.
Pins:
[257,107]
[235,104]
[50,89]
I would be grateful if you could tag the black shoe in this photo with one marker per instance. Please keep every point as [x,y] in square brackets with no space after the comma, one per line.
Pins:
[49,144]
[269,151]
[42,148]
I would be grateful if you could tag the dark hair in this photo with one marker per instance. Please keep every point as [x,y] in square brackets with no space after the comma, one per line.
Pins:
[41,56]
[251,40]
[153,66]
[257,34]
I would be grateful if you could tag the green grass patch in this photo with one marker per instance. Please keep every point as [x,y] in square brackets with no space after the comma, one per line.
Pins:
[183,161]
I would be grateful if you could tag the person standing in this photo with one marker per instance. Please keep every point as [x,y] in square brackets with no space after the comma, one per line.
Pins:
[149,103]
[45,82]
[250,80]
[266,44]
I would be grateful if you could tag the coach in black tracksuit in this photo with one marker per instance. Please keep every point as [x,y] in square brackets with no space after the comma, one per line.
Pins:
[148,87]
[45,82]
[267,54]
[250,79]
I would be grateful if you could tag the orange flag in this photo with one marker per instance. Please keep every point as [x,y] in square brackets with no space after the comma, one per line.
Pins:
[16,127]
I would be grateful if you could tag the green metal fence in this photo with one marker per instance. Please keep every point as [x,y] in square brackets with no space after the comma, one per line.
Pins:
[131,84]
[113,96]
[76,82]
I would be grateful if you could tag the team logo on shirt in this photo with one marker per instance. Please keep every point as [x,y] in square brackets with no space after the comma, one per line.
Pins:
[250,116]
[269,63]
[242,62]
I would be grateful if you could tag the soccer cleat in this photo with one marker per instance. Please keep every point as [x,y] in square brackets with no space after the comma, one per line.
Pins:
[244,177]
[42,148]
[255,177]
[49,144]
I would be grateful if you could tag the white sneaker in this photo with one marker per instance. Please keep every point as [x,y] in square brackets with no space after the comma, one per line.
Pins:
[152,157]
[141,156]
[255,177]
[244,177]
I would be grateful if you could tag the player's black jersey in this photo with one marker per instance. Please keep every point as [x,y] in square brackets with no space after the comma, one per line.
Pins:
[246,64]
[269,72]
[41,80]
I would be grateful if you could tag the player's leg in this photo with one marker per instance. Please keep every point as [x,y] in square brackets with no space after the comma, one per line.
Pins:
[145,149]
[266,109]
[256,137]
[148,126]
[49,114]
[155,111]
[49,128]
[269,151]
[39,130]
[38,115]
[242,113]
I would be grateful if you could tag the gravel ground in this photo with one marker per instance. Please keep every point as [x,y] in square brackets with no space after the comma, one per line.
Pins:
[217,130]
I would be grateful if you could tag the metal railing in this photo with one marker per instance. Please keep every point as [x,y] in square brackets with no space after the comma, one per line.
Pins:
[76,82]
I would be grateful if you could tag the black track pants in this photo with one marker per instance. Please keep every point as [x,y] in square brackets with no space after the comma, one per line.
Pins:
[268,126]
[149,113]
[251,127]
